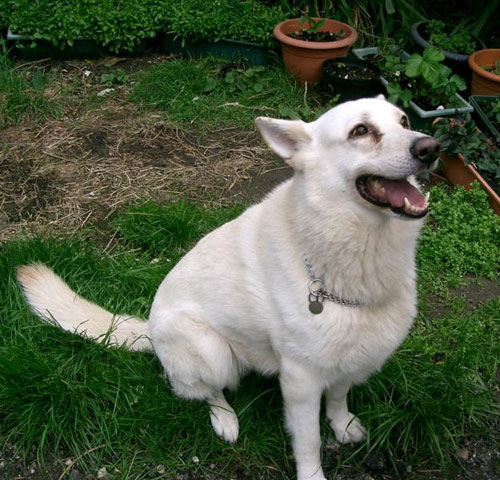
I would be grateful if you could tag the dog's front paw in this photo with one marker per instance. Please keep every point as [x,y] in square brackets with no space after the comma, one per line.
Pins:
[349,430]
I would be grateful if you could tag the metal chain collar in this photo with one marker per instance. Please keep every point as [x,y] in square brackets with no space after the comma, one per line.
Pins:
[319,292]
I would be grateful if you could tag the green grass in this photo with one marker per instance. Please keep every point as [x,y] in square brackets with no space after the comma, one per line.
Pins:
[212,92]
[113,407]
[22,94]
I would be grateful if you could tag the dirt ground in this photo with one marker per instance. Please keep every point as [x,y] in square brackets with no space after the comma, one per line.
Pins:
[65,174]
[80,169]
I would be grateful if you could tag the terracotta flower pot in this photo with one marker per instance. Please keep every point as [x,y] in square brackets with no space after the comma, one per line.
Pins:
[304,59]
[458,173]
[484,82]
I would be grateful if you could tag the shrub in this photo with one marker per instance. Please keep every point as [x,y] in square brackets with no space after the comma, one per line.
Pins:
[117,24]
[462,237]
[217,19]
[5,12]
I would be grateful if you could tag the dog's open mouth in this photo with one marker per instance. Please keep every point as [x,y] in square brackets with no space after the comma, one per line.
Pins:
[399,195]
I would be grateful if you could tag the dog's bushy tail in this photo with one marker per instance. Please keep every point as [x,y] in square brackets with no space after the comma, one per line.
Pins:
[53,301]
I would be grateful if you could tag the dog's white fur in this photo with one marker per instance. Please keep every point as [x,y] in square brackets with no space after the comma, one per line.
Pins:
[239,300]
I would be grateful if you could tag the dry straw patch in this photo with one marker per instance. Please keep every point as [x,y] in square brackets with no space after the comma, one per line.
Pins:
[69,173]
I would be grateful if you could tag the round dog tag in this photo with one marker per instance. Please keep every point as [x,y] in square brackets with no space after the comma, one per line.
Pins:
[315,307]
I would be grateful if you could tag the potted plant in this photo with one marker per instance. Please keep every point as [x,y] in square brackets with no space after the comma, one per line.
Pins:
[202,29]
[468,155]
[307,42]
[351,78]
[422,84]
[485,66]
[456,43]
[487,115]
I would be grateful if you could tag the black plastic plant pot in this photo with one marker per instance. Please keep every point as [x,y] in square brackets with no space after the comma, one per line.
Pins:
[351,78]
[480,104]
[455,60]
[234,50]
[81,48]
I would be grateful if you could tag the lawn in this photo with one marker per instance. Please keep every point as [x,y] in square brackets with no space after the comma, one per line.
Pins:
[111,190]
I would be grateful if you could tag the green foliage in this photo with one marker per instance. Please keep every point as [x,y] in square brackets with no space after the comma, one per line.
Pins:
[5,13]
[462,237]
[116,24]
[250,20]
[211,92]
[314,25]
[457,41]
[118,77]
[492,111]
[22,94]
[421,78]
[493,68]
[370,18]
[462,136]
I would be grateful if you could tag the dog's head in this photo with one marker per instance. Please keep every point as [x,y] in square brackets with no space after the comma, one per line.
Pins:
[362,149]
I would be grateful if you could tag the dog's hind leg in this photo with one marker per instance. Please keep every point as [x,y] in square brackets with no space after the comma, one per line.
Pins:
[346,426]
[199,363]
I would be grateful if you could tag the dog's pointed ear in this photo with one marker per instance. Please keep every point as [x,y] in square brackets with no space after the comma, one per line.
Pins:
[285,137]
[380,96]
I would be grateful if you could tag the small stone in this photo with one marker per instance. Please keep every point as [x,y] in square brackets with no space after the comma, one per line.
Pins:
[196,460]
[463,453]
[102,473]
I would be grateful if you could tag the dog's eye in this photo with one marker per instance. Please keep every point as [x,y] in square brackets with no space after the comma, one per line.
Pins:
[404,122]
[359,130]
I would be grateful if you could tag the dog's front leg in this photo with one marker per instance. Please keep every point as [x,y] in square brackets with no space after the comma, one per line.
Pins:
[346,426]
[302,391]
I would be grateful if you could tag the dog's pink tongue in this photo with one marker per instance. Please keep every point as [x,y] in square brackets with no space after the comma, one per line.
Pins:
[397,190]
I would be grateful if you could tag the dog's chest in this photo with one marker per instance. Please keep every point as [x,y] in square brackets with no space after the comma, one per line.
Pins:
[353,342]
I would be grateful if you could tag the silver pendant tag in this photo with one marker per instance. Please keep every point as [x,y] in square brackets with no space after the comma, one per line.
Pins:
[315,306]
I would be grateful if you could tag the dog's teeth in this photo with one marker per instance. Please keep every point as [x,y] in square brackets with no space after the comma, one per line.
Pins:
[427,195]
[408,205]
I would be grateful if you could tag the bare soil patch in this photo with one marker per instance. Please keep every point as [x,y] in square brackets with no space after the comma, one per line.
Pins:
[69,173]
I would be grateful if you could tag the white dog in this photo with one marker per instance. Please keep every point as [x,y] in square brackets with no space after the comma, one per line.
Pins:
[316,283]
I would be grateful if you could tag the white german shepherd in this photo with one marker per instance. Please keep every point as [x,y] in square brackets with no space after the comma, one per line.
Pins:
[316,283]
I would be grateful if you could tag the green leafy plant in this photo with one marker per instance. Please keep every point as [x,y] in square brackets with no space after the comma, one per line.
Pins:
[250,20]
[494,113]
[314,25]
[461,238]
[312,33]
[458,40]
[493,68]
[5,13]
[118,77]
[112,23]
[461,136]
[422,78]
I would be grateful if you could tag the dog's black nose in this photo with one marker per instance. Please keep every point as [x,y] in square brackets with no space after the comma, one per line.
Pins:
[425,149]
